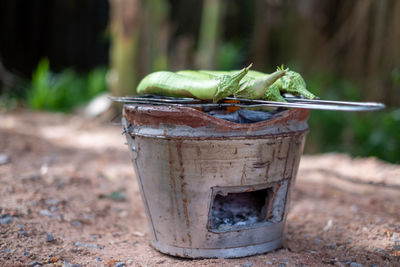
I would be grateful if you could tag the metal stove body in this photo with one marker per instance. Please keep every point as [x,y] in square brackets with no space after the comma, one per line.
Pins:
[210,187]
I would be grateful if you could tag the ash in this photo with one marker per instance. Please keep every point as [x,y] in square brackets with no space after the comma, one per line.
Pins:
[235,210]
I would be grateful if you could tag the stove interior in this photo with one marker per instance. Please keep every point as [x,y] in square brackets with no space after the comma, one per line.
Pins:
[235,210]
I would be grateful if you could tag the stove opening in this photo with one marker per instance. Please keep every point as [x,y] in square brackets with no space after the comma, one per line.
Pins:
[236,210]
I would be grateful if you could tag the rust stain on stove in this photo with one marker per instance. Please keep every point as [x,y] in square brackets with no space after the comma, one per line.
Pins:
[173,200]
[198,151]
[287,156]
[183,191]
[243,177]
[267,170]
[272,162]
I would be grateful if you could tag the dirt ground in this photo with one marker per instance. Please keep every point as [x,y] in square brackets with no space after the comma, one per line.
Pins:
[68,195]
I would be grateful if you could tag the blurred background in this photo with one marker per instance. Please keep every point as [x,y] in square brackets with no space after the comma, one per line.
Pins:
[59,55]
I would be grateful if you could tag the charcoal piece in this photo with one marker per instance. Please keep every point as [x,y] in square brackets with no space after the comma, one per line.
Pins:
[254,115]
[232,117]
[243,115]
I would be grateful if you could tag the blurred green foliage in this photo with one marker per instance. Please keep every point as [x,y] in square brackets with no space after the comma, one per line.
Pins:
[8,102]
[230,56]
[63,91]
[396,76]
[358,133]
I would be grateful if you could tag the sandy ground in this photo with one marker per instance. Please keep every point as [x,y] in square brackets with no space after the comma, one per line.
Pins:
[58,173]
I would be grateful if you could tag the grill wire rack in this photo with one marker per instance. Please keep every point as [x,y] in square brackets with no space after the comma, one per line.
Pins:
[292,102]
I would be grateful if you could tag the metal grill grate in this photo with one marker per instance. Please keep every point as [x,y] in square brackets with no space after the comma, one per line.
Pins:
[292,102]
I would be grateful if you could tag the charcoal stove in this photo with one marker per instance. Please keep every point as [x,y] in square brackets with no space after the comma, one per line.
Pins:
[212,187]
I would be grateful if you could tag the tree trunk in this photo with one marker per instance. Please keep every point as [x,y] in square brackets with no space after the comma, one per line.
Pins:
[125,28]
[154,37]
[209,32]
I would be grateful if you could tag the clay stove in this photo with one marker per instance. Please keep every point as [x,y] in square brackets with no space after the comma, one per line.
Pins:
[211,187]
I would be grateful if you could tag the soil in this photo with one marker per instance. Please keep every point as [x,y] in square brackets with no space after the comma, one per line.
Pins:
[68,195]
